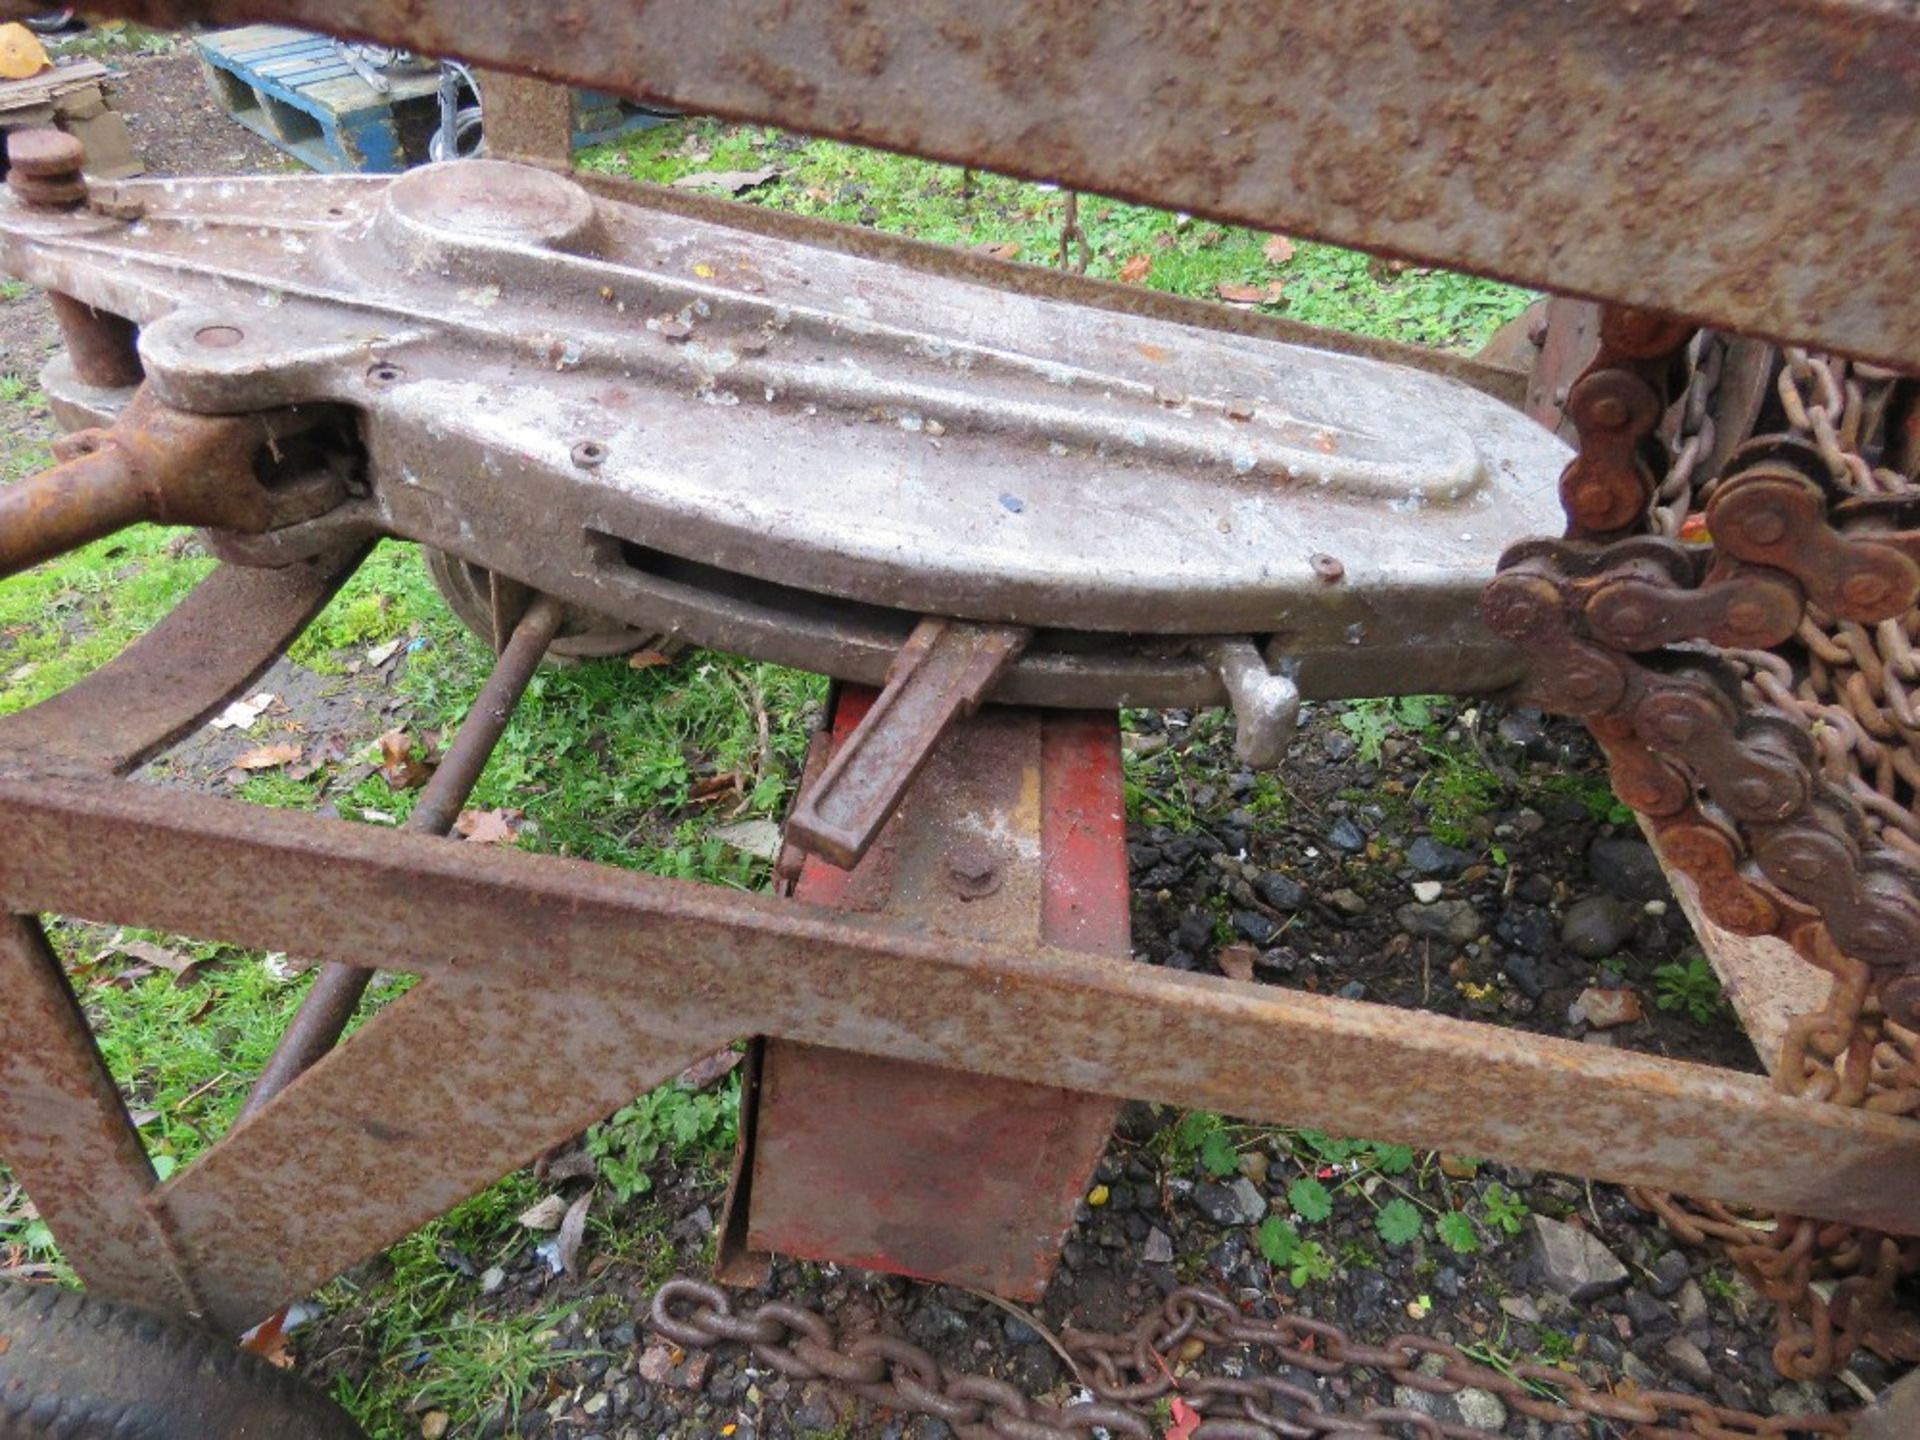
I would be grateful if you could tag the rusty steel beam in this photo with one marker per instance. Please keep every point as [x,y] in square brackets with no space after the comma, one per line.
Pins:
[209,648]
[1769,151]
[525,939]
[64,1130]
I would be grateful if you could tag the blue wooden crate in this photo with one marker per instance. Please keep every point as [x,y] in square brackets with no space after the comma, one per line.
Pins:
[293,89]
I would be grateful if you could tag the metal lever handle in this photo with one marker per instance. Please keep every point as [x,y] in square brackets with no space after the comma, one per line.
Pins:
[941,675]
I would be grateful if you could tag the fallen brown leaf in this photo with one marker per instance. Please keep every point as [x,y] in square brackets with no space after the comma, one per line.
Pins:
[713,787]
[403,768]
[268,757]
[1235,293]
[487,827]
[1003,250]
[1278,249]
[1136,270]
[1236,961]
[647,659]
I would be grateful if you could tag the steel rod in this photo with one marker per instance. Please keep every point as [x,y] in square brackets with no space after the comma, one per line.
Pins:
[335,997]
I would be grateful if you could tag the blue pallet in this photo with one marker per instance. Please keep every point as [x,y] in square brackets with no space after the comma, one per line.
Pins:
[293,90]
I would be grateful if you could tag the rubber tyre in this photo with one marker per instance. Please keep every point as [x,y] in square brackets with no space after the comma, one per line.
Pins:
[73,1367]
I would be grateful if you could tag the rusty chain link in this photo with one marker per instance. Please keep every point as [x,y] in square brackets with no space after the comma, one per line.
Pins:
[1132,1374]
[1775,762]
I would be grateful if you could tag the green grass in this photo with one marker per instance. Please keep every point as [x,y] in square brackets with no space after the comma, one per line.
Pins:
[603,760]
[1321,284]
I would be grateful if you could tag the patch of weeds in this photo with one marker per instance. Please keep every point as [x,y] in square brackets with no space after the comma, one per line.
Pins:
[1304,1261]
[1399,1222]
[1455,1231]
[673,1123]
[1558,1347]
[1692,986]
[389,596]
[1159,791]
[1592,791]
[1503,1210]
[1456,788]
[1719,1286]
[11,289]
[1371,722]
[1200,1139]
[471,1367]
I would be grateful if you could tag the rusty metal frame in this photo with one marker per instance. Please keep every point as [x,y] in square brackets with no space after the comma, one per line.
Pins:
[1495,136]
[556,990]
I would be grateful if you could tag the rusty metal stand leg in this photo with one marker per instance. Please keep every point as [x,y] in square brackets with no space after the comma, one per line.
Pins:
[527,120]
[335,996]
[65,1131]
[1014,831]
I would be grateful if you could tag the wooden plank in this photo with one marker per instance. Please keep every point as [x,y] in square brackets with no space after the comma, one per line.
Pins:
[1767,983]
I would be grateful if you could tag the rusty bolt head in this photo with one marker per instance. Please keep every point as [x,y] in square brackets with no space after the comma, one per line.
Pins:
[589,453]
[1328,568]
[44,169]
[972,872]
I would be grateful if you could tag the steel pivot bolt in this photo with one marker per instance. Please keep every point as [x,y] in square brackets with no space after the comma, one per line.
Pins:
[44,169]
[972,872]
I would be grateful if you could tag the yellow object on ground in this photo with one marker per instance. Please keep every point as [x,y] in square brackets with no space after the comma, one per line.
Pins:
[21,53]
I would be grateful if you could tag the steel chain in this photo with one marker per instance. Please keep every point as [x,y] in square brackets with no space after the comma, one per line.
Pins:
[1267,1378]
[1817,763]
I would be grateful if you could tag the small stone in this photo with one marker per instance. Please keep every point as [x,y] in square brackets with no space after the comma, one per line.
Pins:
[434,1424]
[1534,888]
[1429,857]
[491,1279]
[1524,733]
[1427,891]
[1525,927]
[1627,867]
[1596,926]
[1337,745]
[1608,1009]
[1801,1399]
[1481,1408]
[1638,1371]
[1689,1361]
[1524,972]
[1669,1273]
[1255,926]
[1253,1205]
[1099,1196]
[1158,1249]
[1573,1263]
[1519,1307]
[1347,902]
[1691,1306]
[1650,1315]
[1237,1204]
[1454,921]
[1280,892]
[1345,836]
[1254,1165]
[1353,990]
[1372,1302]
